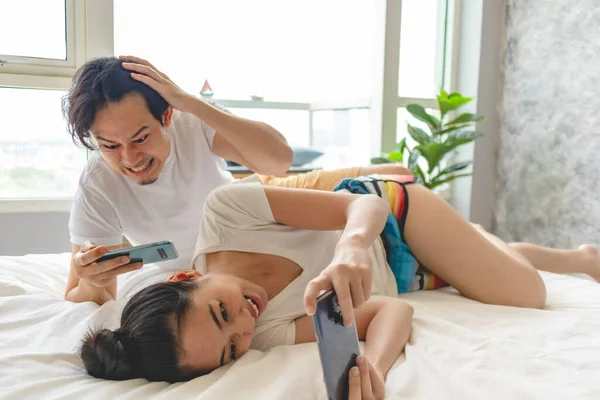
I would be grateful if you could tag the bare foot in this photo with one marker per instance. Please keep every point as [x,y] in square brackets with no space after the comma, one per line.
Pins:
[591,260]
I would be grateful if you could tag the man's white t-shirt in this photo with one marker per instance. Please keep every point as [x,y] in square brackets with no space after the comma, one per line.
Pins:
[238,217]
[108,205]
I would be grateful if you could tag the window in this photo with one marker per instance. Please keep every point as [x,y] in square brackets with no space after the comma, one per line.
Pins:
[302,52]
[295,123]
[311,62]
[420,49]
[343,135]
[37,157]
[48,21]
[298,51]
[47,41]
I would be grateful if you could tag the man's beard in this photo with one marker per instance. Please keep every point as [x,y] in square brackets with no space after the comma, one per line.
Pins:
[148,182]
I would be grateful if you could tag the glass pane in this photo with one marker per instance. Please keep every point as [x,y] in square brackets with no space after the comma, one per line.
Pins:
[304,51]
[37,156]
[36,28]
[293,124]
[418,48]
[343,135]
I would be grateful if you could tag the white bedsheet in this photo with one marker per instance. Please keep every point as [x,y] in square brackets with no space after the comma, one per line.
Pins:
[458,349]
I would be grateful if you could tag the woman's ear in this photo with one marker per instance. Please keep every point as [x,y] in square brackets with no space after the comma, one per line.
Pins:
[168,116]
[186,275]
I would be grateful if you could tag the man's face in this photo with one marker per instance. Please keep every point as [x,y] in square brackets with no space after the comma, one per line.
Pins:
[131,140]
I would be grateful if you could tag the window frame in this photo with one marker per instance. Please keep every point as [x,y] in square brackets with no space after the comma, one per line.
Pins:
[46,67]
[90,33]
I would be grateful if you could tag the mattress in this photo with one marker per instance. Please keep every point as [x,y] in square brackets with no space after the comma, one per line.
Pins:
[458,348]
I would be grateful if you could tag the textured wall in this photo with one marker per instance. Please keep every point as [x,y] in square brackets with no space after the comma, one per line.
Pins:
[548,185]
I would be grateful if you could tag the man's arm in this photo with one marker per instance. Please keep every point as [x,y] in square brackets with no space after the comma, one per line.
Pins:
[91,281]
[254,144]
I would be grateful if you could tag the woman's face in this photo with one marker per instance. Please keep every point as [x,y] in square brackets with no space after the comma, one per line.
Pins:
[218,327]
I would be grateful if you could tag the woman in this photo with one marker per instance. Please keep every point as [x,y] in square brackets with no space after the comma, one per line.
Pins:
[264,253]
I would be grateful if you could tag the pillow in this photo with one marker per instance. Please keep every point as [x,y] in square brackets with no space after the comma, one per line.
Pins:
[302,156]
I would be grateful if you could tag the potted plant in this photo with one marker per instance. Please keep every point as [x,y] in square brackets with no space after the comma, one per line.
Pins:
[427,159]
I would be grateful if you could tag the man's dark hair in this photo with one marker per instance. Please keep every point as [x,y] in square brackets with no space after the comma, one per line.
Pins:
[98,82]
[146,344]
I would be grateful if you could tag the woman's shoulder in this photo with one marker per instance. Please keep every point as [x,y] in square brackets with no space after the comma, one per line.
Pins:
[240,204]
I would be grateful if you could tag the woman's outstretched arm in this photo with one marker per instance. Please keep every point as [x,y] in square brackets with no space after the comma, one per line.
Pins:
[362,218]
[384,325]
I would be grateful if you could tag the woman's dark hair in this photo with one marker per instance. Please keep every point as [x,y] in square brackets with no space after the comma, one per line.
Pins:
[98,82]
[146,344]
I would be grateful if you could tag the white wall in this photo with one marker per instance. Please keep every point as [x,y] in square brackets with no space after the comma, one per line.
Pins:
[478,74]
[24,233]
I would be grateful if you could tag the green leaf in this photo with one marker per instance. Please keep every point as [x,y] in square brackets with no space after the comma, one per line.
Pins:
[458,100]
[435,183]
[451,129]
[381,160]
[401,145]
[456,139]
[453,168]
[421,114]
[451,102]
[433,153]
[465,118]
[396,156]
[412,159]
[419,135]
[420,175]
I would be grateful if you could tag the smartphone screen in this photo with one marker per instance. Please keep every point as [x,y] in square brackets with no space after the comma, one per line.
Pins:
[147,253]
[338,345]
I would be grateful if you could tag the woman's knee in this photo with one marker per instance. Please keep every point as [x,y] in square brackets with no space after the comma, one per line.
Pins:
[478,227]
[533,292]
[539,300]
[516,286]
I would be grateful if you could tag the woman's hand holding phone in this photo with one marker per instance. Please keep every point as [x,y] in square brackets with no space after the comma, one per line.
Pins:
[349,274]
[365,382]
[100,274]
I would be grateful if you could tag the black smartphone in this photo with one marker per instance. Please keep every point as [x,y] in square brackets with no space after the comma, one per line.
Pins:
[146,253]
[338,345]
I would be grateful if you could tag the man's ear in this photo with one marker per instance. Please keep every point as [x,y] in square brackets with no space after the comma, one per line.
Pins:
[186,275]
[167,116]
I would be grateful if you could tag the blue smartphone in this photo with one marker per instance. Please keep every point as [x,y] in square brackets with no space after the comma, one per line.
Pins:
[338,345]
[146,253]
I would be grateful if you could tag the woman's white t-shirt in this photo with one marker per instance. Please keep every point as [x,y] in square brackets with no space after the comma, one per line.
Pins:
[238,217]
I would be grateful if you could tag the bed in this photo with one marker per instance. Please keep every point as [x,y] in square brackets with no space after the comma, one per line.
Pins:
[458,349]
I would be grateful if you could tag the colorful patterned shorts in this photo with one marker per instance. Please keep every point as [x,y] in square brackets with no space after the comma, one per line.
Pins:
[410,275]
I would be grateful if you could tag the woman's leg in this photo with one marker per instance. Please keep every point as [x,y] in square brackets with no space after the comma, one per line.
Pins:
[584,260]
[385,169]
[329,179]
[317,179]
[451,248]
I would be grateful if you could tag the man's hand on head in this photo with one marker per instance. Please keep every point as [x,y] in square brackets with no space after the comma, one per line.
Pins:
[143,71]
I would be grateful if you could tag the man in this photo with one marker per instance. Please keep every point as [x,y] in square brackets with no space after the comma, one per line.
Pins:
[160,153]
